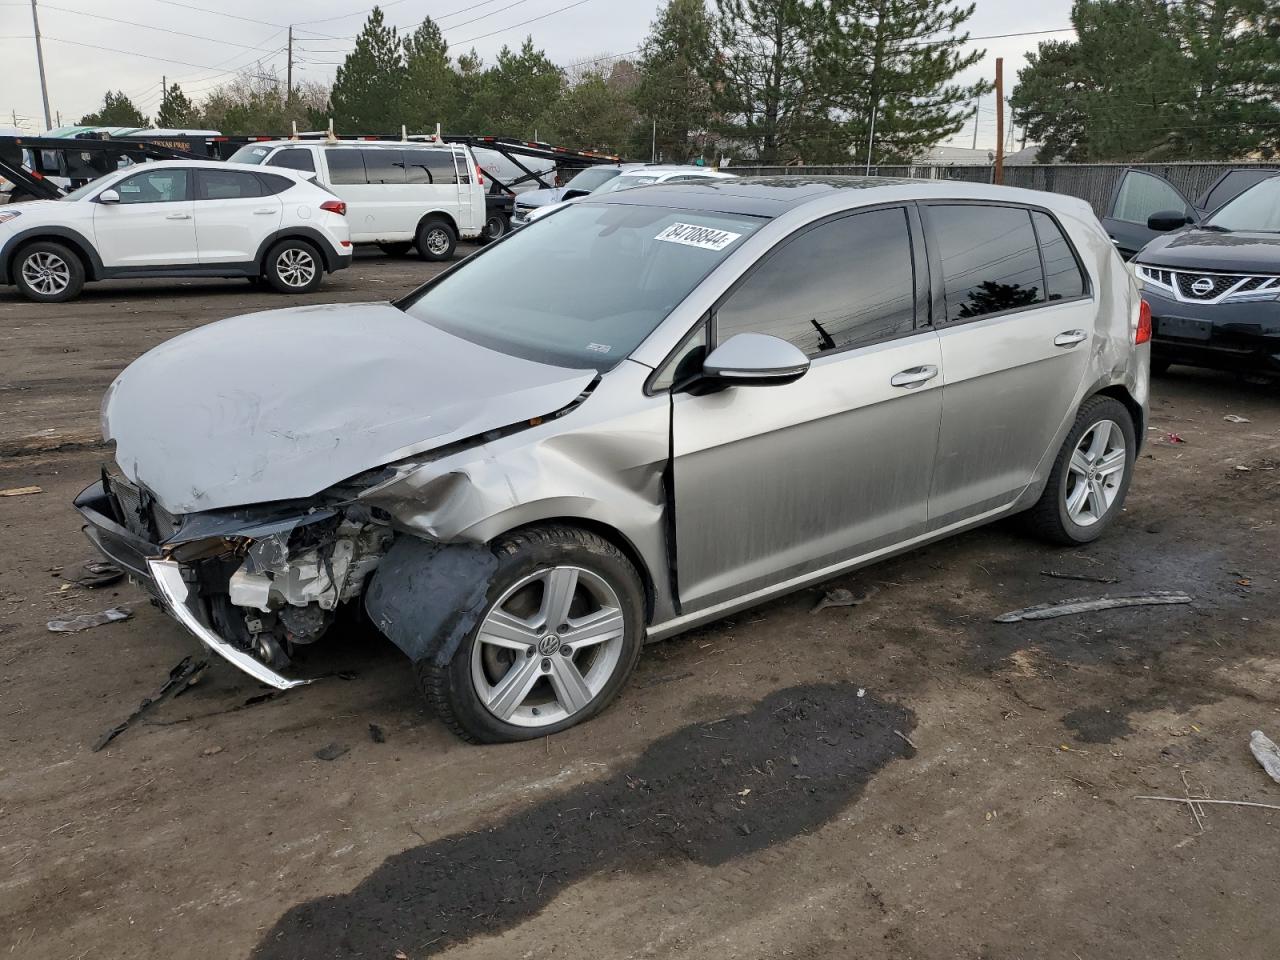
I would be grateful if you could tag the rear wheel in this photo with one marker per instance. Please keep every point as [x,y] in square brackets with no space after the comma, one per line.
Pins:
[395,249]
[293,266]
[436,240]
[559,636]
[495,228]
[48,272]
[1090,477]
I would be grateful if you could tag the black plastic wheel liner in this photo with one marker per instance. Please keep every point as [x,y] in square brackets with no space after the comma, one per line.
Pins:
[425,596]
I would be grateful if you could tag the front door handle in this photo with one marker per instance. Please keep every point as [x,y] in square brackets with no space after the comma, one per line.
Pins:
[266,212]
[1069,338]
[178,216]
[915,377]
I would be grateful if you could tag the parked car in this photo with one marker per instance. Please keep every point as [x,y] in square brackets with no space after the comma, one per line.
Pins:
[708,396]
[643,177]
[176,219]
[582,183]
[1214,286]
[399,194]
[1140,194]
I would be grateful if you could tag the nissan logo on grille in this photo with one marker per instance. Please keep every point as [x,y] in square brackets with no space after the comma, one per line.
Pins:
[1202,287]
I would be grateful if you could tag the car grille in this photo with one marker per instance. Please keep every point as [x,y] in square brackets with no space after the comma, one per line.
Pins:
[139,512]
[1194,287]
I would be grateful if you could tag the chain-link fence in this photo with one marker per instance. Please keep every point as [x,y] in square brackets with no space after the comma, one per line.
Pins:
[1093,182]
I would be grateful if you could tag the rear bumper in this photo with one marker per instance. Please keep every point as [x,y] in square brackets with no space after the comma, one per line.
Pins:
[166,580]
[1226,336]
[342,260]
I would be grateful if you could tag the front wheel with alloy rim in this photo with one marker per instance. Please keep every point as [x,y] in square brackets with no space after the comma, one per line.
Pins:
[436,240]
[1090,476]
[48,272]
[293,266]
[560,633]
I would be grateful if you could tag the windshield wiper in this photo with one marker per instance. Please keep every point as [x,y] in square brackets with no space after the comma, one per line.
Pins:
[1214,227]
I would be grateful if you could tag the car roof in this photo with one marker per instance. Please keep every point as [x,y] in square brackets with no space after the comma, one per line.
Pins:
[359,144]
[774,196]
[216,165]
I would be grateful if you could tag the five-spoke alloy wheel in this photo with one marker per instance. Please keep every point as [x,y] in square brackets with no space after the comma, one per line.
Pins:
[560,633]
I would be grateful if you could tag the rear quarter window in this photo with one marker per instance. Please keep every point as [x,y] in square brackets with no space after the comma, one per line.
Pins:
[273,183]
[1063,277]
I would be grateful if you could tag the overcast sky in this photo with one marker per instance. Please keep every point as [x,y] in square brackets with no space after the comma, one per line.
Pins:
[200,43]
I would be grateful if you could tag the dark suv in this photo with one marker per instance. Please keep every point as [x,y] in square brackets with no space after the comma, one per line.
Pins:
[1213,283]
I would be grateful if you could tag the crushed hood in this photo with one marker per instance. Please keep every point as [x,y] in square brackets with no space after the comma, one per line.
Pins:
[282,404]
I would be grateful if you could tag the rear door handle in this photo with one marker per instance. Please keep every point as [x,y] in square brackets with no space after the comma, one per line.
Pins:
[1069,338]
[178,216]
[265,212]
[915,377]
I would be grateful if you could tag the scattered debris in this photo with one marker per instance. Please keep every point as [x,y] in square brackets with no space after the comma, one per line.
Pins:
[840,597]
[862,692]
[1169,438]
[21,491]
[332,752]
[1242,468]
[179,675]
[377,734]
[899,733]
[1266,753]
[1232,418]
[1063,608]
[96,573]
[1199,800]
[210,751]
[86,620]
[1059,575]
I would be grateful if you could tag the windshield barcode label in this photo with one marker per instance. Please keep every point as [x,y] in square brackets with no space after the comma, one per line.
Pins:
[692,235]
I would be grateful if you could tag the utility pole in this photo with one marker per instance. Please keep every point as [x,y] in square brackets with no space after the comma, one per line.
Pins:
[871,136]
[44,87]
[999,171]
[164,93]
[288,70]
[653,148]
[977,104]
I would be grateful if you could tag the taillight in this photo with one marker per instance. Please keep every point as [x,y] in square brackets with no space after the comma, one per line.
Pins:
[1144,323]
[480,176]
[335,206]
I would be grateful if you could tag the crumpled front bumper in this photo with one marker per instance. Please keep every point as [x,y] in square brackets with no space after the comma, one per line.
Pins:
[166,580]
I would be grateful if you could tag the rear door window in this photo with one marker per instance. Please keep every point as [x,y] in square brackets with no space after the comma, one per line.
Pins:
[346,166]
[384,166]
[1063,278]
[989,259]
[294,158]
[844,283]
[227,185]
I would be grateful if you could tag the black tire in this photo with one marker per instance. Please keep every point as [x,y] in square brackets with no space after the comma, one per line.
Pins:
[1160,366]
[1050,518]
[48,272]
[396,249]
[436,240]
[495,228]
[293,266]
[450,688]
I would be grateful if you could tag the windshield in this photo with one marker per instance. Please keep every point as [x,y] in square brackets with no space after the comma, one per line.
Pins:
[592,178]
[1256,210]
[250,153]
[626,183]
[81,192]
[584,287]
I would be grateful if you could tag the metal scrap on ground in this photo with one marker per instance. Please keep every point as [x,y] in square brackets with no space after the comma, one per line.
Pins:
[183,673]
[840,597]
[1059,575]
[1266,753]
[1232,418]
[86,620]
[21,491]
[1063,608]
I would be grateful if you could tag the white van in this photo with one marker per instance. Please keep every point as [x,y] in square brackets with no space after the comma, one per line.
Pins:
[399,194]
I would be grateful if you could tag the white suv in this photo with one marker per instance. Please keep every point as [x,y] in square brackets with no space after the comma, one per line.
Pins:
[400,193]
[176,219]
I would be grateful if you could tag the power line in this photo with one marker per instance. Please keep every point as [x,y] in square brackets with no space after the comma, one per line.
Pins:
[147,26]
[354,13]
[522,23]
[219,13]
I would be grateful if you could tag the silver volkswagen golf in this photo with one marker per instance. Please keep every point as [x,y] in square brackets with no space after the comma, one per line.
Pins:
[646,411]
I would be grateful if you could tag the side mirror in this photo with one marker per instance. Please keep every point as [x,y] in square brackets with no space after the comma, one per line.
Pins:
[108,196]
[1167,220]
[572,194]
[755,359]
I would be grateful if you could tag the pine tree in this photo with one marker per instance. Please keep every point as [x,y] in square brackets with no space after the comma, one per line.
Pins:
[762,77]
[366,94]
[117,111]
[519,93]
[672,94]
[888,68]
[593,114]
[176,110]
[429,92]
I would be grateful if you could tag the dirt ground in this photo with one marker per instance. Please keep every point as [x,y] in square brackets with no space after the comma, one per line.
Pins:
[899,779]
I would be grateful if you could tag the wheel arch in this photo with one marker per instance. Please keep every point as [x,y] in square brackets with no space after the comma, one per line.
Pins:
[77,242]
[310,234]
[437,215]
[1118,391]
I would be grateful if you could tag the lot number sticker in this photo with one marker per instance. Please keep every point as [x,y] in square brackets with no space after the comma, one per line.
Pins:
[692,235]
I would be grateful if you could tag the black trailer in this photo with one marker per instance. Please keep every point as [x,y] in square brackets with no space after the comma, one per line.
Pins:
[31,163]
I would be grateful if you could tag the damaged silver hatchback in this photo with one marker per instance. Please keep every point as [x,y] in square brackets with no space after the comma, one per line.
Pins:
[643,412]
